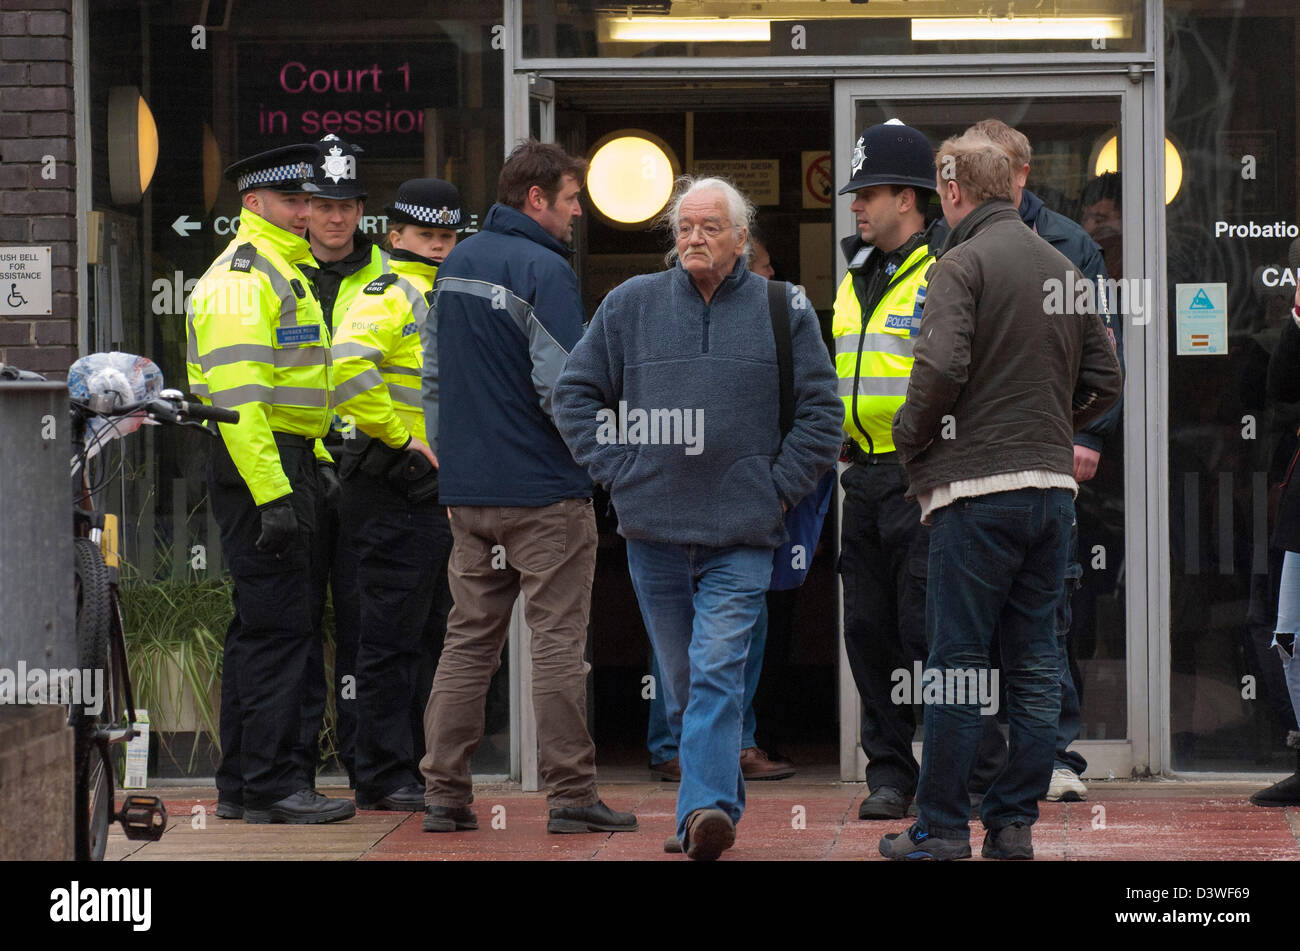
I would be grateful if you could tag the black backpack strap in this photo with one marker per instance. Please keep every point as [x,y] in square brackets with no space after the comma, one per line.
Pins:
[780,314]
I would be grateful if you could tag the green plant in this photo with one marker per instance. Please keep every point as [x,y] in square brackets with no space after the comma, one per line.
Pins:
[175,636]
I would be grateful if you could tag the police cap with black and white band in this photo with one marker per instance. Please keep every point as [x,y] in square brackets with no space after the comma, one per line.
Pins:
[426,201]
[289,168]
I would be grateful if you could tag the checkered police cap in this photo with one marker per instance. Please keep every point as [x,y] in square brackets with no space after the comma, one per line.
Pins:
[289,168]
[426,201]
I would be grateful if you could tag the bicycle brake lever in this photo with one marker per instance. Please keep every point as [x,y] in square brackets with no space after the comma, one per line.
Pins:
[200,426]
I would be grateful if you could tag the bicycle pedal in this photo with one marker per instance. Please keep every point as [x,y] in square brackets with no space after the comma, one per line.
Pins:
[143,817]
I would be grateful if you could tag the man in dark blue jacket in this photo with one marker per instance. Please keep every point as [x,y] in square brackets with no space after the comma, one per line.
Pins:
[506,312]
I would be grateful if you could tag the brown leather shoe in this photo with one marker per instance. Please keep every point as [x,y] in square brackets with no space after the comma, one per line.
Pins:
[755,764]
[709,833]
[669,772]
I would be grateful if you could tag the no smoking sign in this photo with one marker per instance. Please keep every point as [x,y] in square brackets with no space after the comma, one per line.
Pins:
[818,187]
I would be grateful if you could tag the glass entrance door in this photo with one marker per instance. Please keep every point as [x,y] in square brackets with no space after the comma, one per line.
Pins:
[1086,165]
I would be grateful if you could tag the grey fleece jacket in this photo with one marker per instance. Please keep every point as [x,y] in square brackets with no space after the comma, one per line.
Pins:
[673,405]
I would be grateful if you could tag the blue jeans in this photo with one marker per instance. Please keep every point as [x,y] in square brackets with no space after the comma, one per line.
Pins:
[700,605]
[997,562]
[661,740]
[1067,725]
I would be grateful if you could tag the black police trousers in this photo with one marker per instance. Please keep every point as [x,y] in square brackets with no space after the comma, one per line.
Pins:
[402,549]
[334,571]
[883,560]
[269,639]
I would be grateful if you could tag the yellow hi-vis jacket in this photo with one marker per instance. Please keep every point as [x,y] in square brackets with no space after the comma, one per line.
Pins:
[873,362]
[351,285]
[257,343]
[378,354]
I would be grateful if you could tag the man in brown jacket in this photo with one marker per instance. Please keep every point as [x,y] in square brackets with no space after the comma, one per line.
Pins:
[1011,360]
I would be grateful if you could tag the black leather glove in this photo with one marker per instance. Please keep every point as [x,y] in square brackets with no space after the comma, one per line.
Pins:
[279,527]
[329,483]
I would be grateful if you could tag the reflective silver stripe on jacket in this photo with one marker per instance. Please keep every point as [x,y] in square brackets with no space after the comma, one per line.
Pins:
[363,382]
[407,395]
[893,344]
[277,395]
[419,306]
[261,353]
[279,284]
[351,348]
[874,386]
[544,351]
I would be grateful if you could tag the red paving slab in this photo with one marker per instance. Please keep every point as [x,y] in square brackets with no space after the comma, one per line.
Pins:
[785,822]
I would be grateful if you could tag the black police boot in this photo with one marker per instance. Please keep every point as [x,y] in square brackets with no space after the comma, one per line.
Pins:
[409,798]
[305,807]
[1287,791]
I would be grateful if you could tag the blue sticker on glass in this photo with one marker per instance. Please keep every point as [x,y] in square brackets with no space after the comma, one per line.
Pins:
[296,336]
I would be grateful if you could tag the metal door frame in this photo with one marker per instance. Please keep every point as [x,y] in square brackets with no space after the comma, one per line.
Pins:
[1145,621]
[1146,505]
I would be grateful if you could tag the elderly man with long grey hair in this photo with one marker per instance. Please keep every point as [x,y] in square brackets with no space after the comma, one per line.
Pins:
[671,400]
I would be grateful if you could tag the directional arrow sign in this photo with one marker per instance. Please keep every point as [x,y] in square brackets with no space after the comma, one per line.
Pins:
[183,226]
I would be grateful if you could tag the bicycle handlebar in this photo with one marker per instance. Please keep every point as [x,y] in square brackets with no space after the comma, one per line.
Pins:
[214,413]
[168,407]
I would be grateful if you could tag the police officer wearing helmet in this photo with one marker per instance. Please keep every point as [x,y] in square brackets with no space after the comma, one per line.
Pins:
[390,513]
[883,546]
[258,343]
[346,261]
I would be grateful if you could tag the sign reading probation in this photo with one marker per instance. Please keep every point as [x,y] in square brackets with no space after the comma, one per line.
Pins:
[25,282]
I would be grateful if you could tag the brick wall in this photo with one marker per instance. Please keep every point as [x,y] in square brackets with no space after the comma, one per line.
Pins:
[36,120]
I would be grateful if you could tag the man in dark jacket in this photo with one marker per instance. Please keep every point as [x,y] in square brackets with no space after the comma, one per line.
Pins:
[506,312]
[672,401]
[1003,377]
[1083,252]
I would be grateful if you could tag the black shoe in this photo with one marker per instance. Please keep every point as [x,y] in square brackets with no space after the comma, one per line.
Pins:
[595,818]
[449,819]
[1014,841]
[305,807]
[672,846]
[229,810]
[1285,792]
[884,803]
[409,798]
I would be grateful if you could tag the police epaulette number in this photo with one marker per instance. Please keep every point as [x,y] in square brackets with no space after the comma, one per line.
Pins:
[379,284]
[243,258]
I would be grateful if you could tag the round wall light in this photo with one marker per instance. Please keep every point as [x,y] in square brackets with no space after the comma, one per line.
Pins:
[630,176]
[1108,161]
[132,145]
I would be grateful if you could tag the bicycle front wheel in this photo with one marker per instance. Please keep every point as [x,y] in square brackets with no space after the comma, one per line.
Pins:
[93,776]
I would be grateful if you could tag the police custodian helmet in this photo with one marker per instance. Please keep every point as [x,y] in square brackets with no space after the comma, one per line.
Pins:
[338,173]
[892,154]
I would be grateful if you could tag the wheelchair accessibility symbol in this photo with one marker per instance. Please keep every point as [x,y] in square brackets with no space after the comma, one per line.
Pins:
[15,299]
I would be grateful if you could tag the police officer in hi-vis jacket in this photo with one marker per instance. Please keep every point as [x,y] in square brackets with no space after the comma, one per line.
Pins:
[257,343]
[390,513]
